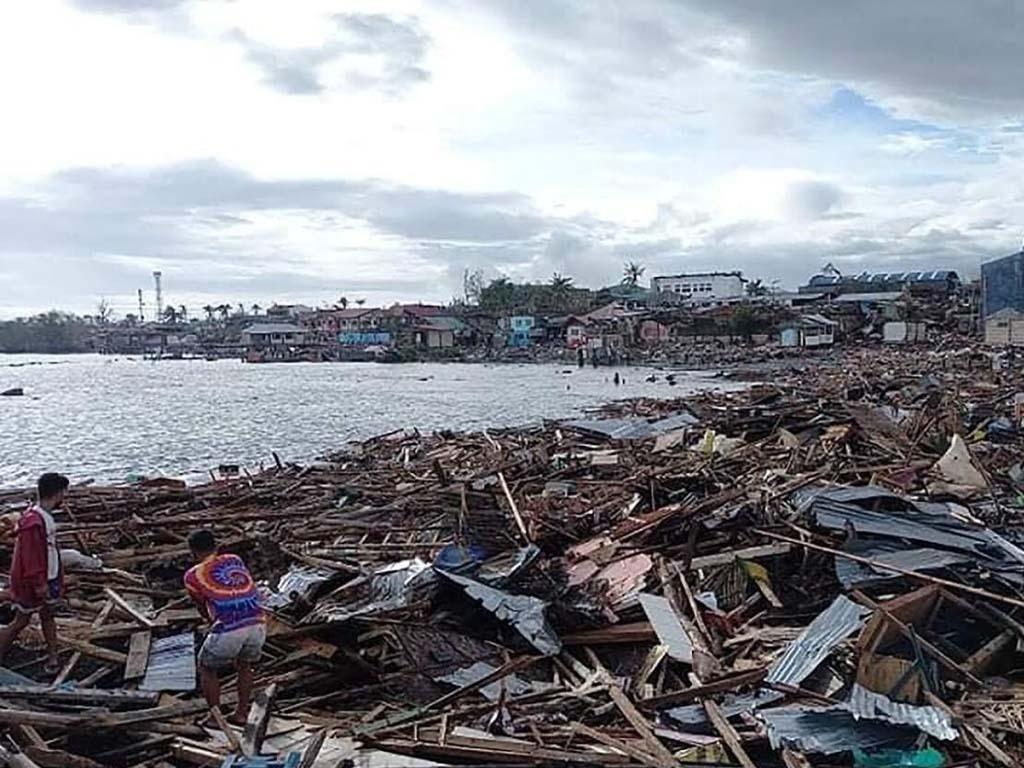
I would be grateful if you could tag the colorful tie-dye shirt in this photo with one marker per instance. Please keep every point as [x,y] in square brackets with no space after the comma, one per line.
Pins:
[224,585]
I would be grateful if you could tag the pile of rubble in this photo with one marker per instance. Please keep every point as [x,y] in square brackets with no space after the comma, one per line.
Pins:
[820,570]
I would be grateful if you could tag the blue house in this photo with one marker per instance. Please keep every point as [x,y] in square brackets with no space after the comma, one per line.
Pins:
[520,331]
[1002,284]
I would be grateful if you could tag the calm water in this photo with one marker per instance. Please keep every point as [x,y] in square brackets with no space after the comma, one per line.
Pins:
[110,418]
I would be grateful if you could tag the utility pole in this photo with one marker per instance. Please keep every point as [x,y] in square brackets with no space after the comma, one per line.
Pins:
[142,305]
[159,296]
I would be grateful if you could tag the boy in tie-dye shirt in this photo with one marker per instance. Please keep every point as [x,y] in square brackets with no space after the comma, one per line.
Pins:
[226,595]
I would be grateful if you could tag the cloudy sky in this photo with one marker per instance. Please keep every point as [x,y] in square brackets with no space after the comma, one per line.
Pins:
[378,149]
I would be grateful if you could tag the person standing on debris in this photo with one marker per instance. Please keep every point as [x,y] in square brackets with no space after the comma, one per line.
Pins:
[37,578]
[226,595]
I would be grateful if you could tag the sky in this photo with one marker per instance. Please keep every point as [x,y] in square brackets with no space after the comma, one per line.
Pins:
[377,150]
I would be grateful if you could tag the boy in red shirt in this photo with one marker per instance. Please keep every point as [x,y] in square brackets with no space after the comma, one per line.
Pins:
[37,578]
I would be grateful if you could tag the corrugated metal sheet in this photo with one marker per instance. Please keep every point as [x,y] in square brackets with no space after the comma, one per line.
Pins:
[851,573]
[667,626]
[896,517]
[829,731]
[513,684]
[632,429]
[868,705]
[523,612]
[693,717]
[829,628]
[172,664]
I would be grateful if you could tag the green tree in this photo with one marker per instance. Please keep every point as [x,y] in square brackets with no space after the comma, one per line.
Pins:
[756,288]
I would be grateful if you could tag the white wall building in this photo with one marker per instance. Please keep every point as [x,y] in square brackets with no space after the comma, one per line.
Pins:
[701,286]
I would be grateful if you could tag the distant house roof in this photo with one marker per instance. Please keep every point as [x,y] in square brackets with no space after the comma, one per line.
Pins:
[267,329]
[865,298]
[817,320]
[351,313]
[933,276]
[443,323]
[416,310]
[699,274]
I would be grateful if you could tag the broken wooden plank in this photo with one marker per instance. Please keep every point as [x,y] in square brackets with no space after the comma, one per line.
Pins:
[138,655]
[728,733]
[617,744]
[95,696]
[93,651]
[144,621]
[256,724]
[658,751]
[72,662]
[226,729]
[514,507]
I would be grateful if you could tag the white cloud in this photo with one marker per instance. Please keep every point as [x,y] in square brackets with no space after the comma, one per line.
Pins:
[364,139]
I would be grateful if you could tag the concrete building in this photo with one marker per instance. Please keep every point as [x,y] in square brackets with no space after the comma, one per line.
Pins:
[1002,285]
[700,286]
[264,335]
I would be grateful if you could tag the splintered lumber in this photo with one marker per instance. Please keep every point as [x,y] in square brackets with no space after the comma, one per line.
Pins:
[93,651]
[659,752]
[728,733]
[514,508]
[256,724]
[226,729]
[621,746]
[730,683]
[77,655]
[128,608]
[55,758]
[101,696]
[15,759]
[748,553]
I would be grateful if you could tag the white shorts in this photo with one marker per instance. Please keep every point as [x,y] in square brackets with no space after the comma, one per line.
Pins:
[222,650]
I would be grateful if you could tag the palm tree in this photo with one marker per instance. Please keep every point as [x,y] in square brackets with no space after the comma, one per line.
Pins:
[209,309]
[343,302]
[256,309]
[241,309]
[224,309]
[632,272]
[183,313]
[559,287]
[171,314]
[360,302]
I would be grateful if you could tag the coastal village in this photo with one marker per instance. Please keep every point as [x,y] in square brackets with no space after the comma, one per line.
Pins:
[699,319]
[823,568]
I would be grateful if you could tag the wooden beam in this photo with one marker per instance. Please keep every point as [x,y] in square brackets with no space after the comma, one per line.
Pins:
[77,655]
[659,752]
[731,683]
[93,651]
[138,655]
[226,729]
[728,733]
[616,744]
[94,696]
[749,553]
[124,605]
[515,509]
